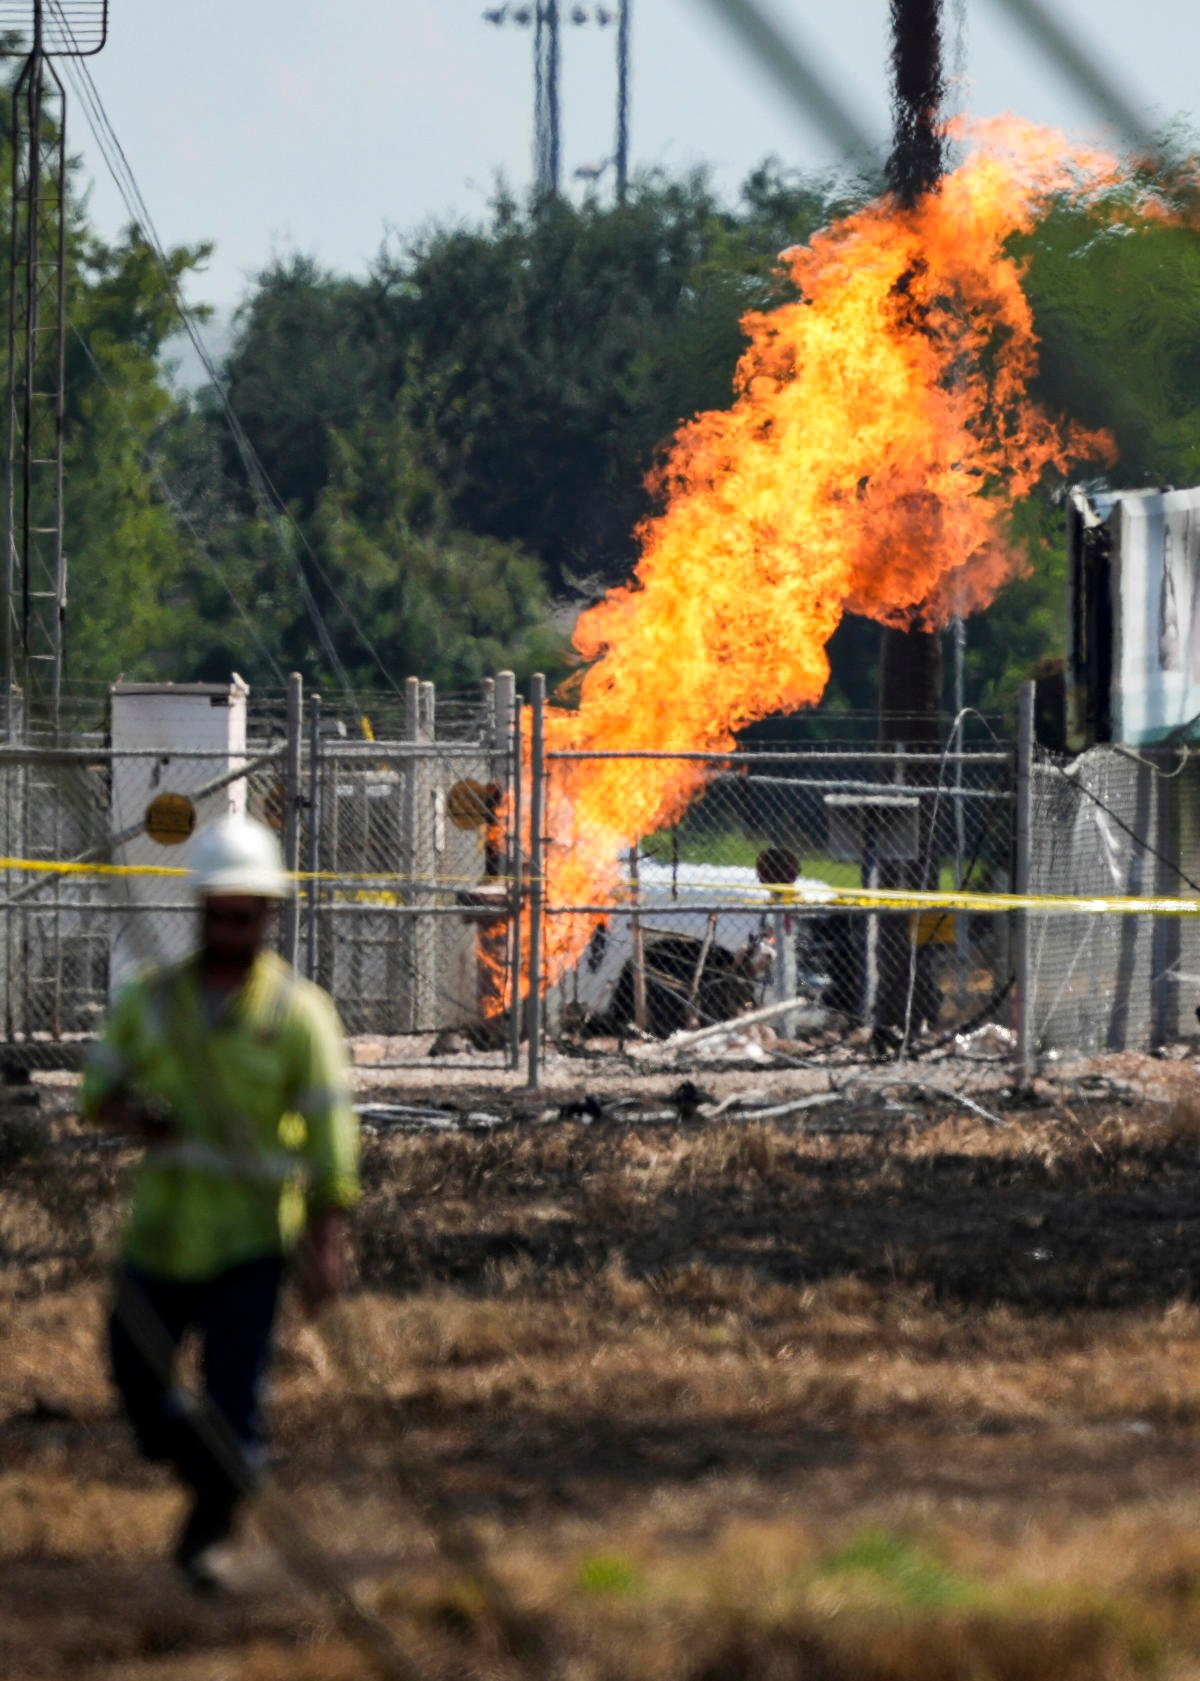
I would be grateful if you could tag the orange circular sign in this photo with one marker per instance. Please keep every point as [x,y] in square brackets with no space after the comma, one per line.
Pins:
[170,819]
[467,804]
[776,866]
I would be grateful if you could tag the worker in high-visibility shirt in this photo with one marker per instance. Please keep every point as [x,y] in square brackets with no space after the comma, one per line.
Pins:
[232,1071]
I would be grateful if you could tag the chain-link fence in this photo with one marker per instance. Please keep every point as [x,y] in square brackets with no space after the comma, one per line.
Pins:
[736,907]
[77,910]
[393,839]
[763,897]
[1113,823]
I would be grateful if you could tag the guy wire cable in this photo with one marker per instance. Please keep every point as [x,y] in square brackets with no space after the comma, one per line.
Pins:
[279,515]
[1139,841]
[152,464]
[267,498]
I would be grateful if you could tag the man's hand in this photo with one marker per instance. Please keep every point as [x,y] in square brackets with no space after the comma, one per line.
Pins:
[323,1257]
[122,1111]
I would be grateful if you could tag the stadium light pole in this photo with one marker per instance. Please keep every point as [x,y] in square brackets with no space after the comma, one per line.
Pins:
[546,18]
[623,99]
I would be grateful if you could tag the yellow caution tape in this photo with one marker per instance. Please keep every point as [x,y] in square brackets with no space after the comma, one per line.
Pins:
[782,898]
[909,899]
[75,866]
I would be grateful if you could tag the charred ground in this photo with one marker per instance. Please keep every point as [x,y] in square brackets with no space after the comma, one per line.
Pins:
[875,1391]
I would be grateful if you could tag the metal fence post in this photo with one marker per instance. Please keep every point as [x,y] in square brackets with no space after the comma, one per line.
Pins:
[292,801]
[314,832]
[500,695]
[637,944]
[506,744]
[537,864]
[409,933]
[516,878]
[1022,876]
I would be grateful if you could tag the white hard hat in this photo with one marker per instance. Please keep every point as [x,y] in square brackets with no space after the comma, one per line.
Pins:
[238,855]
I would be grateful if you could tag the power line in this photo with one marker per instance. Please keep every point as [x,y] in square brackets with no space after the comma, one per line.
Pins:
[270,501]
[265,494]
[122,174]
[1046,30]
[179,513]
[779,58]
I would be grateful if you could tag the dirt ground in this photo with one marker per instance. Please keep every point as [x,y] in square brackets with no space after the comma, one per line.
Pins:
[886,1388]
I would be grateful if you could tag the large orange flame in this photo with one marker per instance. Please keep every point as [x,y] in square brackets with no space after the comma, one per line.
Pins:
[880,433]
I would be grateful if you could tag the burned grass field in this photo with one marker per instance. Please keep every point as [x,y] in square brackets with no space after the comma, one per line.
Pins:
[855,1394]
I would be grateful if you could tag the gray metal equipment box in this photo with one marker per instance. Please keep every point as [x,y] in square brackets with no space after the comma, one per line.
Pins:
[886,825]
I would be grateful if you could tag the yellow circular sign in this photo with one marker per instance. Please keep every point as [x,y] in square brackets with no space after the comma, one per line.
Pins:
[467,804]
[170,819]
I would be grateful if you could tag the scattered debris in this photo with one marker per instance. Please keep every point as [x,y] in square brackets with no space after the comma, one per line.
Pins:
[729,1047]
[776,1111]
[406,1117]
[806,1017]
[688,980]
[690,1098]
[990,1040]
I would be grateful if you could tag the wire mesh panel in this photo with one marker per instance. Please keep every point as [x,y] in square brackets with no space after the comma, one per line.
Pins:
[72,925]
[1113,823]
[729,908]
[54,926]
[403,838]
[762,891]
[398,839]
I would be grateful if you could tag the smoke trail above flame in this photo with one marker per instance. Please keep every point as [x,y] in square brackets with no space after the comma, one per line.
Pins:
[880,433]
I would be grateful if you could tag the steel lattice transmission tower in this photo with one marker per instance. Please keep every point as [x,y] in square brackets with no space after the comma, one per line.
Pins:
[35,585]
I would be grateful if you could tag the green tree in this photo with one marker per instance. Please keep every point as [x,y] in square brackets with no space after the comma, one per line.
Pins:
[551,354]
[125,549]
[303,366]
[1116,299]
[453,605]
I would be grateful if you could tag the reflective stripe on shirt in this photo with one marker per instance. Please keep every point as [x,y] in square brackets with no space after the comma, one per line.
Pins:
[108,1063]
[273,1169]
[317,1099]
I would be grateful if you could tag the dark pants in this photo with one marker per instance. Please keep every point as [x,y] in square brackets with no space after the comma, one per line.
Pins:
[217,1445]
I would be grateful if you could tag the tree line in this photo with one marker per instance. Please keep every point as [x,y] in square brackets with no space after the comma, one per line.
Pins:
[444,458]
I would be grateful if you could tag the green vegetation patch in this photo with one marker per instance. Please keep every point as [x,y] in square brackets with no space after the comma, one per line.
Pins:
[898,1572]
[608,1575]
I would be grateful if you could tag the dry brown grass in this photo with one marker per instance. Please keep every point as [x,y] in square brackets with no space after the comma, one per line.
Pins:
[719,1402]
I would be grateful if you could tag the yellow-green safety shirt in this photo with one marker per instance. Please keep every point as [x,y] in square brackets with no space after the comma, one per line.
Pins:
[259,1114]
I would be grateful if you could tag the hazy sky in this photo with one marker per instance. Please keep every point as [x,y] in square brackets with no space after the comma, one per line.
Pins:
[272,126]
